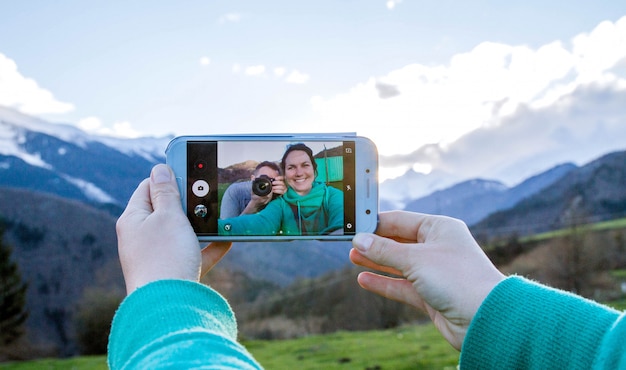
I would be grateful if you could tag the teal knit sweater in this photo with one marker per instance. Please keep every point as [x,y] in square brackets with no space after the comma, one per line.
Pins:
[176,324]
[318,213]
[179,324]
[523,325]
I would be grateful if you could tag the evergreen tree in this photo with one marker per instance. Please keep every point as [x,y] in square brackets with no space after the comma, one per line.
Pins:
[12,296]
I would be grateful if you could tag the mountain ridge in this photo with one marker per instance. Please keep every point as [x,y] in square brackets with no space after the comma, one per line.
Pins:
[60,200]
[473,200]
[58,260]
[593,192]
[64,160]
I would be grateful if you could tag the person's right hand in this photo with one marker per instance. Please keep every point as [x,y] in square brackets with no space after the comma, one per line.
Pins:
[156,240]
[441,269]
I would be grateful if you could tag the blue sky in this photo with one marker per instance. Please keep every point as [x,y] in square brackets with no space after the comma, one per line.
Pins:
[434,84]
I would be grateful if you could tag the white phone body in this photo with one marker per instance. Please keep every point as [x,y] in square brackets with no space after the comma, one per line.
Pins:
[205,166]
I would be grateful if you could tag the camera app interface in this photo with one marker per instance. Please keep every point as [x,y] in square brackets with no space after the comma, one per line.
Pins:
[271,188]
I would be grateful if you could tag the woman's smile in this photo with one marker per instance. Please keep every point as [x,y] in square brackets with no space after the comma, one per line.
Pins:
[299,172]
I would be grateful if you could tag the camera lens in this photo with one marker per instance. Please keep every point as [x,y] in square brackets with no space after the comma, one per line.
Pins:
[262,185]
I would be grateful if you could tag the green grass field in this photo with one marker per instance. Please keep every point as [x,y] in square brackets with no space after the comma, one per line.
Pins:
[76,363]
[409,347]
[599,226]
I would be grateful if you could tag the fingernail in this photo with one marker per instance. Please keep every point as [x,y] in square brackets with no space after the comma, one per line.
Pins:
[161,174]
[363,242]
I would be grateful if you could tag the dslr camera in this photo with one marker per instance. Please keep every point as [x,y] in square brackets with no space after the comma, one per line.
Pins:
[262,185]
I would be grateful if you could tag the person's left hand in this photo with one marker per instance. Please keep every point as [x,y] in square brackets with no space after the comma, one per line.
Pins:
[278,185]
[156,240]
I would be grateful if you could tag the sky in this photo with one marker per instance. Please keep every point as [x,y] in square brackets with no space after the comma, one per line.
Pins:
[476,88]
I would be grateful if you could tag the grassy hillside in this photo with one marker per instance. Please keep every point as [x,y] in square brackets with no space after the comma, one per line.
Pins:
[409,347]
[619,223]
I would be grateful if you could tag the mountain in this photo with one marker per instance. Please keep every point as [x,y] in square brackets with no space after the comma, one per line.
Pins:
[63,160]
[62,247]
[473,200]
[103,171]
[591,193]
[55,180]
[397,192]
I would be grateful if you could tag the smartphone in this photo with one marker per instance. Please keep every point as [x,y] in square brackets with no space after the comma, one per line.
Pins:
[325,186]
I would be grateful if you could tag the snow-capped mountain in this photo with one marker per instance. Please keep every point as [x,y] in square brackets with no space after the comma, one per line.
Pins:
[64,160]
[475,199]
[396,193]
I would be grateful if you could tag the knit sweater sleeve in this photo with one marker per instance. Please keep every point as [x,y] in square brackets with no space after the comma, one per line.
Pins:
[524,325]
[265,222]
[176,324]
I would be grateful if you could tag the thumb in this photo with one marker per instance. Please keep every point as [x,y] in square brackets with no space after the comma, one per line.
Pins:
[164,192]
[383,251]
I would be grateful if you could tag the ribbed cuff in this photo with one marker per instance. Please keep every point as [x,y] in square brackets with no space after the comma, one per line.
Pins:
[164,307]
[522,324]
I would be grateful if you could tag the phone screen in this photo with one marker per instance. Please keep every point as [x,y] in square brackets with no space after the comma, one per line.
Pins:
[309,188]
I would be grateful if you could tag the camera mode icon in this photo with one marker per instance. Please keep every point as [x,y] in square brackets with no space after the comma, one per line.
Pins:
[200,188]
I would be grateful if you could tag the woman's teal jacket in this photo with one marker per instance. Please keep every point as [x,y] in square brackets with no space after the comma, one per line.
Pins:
[318,213]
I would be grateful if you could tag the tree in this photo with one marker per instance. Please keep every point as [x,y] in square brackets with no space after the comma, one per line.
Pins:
[93,319]
[12,296]
[576,261]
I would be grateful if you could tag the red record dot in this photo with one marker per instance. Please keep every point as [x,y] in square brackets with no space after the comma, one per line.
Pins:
[200,165]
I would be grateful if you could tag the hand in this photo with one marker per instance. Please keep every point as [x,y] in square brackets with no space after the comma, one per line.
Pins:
[155,239]
[441,268]
[278,185]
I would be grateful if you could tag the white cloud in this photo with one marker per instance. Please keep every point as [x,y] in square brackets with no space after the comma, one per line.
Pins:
[122,129]
[24,94]
[297,77]
[579,127]
[205,61]
[294,77]
[391,4]
[229,18]
[418,105]
[90,124]
[255,70]
[600,50]
[279,71]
